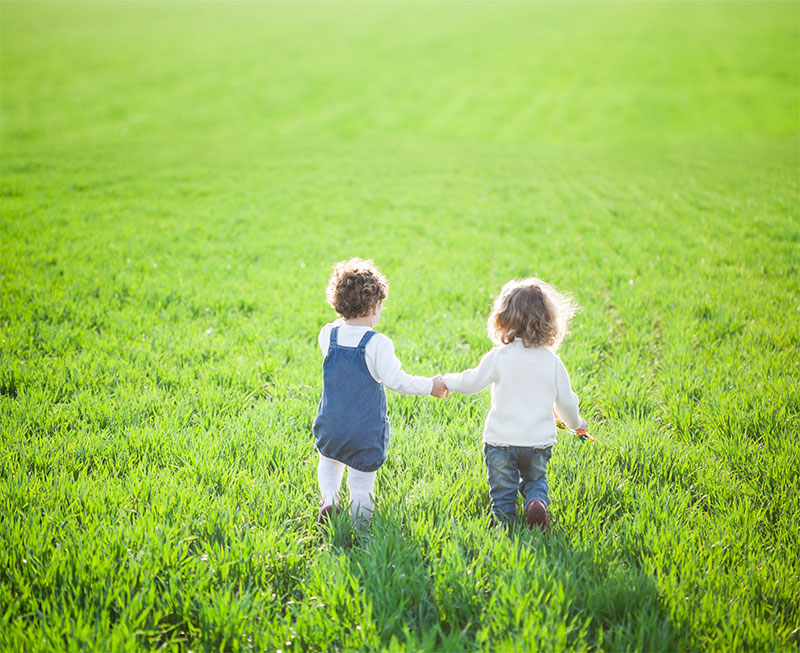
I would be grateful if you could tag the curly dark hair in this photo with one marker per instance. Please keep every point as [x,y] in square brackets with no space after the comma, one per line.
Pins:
[355,288]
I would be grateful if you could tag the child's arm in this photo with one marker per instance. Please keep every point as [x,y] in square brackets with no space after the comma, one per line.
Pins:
[567,405]
[478,378]
[390,372]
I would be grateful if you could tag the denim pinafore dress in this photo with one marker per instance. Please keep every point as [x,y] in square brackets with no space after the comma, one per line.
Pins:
[351,424]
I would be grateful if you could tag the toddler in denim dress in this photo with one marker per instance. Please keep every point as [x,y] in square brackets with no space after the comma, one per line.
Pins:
[530,390]
[351,427]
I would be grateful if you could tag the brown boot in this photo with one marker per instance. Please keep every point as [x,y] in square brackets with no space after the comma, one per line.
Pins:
[536,515]
[325,514]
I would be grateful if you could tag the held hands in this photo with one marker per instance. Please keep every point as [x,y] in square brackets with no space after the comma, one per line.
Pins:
[439,388]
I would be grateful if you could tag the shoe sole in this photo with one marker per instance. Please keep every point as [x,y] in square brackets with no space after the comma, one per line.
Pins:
[536,515]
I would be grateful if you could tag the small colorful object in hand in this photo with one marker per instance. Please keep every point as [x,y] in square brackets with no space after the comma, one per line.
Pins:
[581,434]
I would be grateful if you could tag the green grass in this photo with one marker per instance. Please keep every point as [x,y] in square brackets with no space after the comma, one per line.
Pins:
[178,179]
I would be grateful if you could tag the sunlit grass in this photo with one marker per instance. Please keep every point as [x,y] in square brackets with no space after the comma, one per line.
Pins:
[178,179]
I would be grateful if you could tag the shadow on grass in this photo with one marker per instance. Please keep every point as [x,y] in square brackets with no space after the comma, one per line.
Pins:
[463,586]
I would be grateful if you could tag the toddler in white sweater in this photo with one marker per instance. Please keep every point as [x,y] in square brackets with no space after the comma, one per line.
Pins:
[530,389]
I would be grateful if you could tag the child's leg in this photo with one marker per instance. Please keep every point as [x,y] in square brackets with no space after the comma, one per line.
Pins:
[362,488]
[501,469]
[533,472]
[329,475]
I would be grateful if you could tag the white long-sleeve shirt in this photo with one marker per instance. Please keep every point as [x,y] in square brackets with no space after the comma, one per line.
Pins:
[382,363]
[527,384]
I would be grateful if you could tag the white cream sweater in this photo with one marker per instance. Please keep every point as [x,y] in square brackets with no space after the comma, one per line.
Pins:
[527,384]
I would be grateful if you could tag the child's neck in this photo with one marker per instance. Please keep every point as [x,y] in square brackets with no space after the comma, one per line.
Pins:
[360,321]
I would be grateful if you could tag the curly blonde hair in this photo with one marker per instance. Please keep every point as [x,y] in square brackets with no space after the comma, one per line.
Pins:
[355,288]
[532,310]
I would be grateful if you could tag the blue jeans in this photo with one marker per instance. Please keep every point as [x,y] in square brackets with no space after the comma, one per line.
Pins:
[516,469]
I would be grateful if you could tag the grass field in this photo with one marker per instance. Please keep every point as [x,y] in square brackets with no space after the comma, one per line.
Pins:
[177,181]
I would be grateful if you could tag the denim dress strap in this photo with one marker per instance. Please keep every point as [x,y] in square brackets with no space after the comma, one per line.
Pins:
[362,345]
[334,337]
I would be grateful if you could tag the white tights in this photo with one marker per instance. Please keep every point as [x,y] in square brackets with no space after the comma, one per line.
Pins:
[361,485]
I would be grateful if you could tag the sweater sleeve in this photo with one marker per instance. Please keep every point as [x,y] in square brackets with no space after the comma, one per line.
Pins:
[389,371]
[324,338]
[476,379]
[566,400]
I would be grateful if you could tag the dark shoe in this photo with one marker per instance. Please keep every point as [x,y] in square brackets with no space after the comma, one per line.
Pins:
[536,515]
[325,514]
